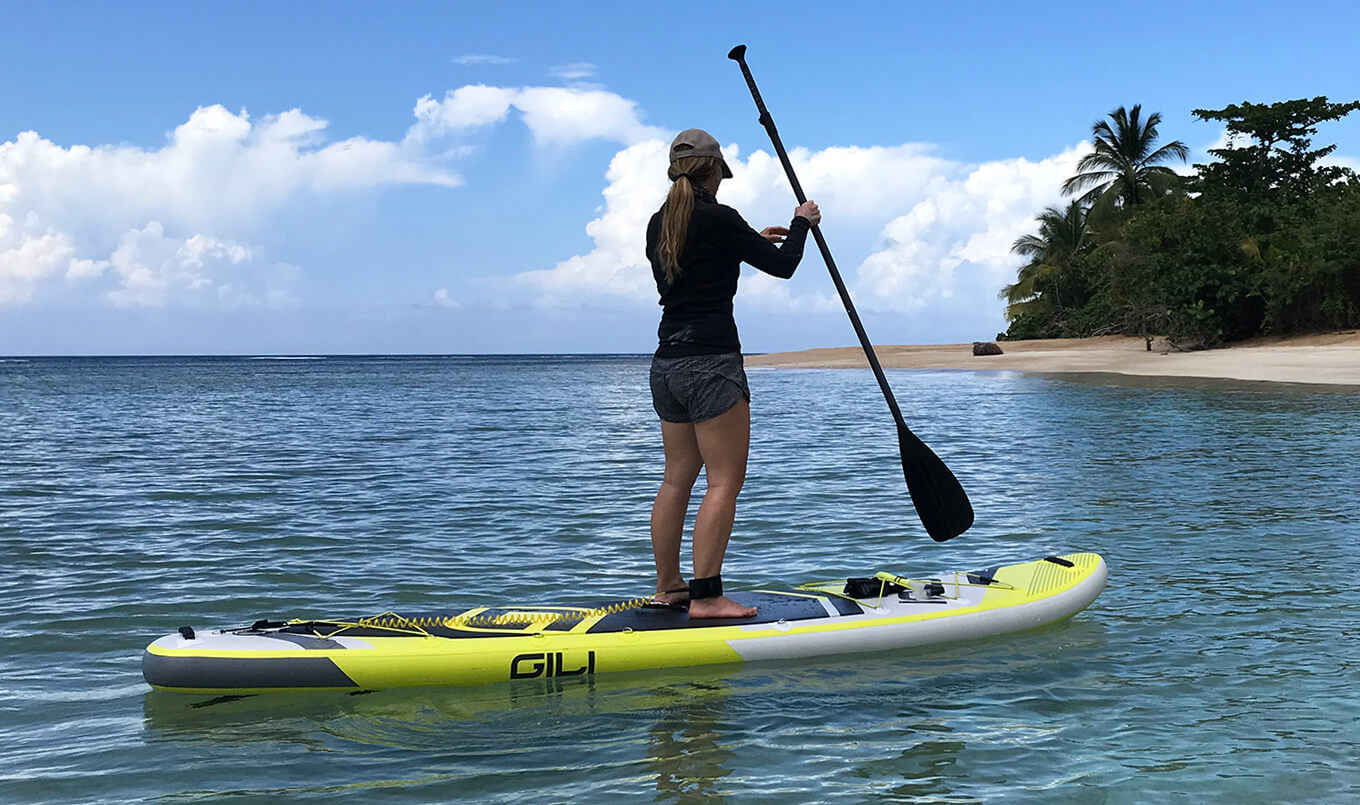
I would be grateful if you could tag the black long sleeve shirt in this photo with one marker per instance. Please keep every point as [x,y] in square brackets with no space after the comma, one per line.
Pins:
[696,316]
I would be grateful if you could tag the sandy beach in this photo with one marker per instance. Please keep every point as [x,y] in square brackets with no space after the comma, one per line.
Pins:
[1329,358]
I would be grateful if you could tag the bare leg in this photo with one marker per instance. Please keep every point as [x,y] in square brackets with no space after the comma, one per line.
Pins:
[724,442]
[683,463]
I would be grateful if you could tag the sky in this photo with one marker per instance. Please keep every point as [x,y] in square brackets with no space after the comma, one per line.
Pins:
[340,178]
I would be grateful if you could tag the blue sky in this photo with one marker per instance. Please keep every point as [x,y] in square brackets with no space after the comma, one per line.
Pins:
[450,178]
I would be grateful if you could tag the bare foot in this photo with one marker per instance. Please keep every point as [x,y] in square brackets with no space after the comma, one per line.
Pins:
[719,607]
[680,596]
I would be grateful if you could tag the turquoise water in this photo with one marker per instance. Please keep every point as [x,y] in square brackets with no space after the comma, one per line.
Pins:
[137,495]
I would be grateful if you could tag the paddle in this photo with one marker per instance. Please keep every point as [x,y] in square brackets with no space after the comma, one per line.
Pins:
[940,500]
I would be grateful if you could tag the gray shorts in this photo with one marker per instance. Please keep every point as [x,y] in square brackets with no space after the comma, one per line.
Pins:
[698,387]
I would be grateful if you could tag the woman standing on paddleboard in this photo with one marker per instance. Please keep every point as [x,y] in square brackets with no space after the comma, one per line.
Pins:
[696,247]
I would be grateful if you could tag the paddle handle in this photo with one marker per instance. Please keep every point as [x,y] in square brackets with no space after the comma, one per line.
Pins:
[738,54]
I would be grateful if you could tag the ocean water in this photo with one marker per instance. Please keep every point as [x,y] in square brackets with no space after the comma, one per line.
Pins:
[1222,664]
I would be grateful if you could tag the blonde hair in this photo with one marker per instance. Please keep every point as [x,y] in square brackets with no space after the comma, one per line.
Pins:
[684,173]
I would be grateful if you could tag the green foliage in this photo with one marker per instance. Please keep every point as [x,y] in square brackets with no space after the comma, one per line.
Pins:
[1277,163]
[1266,241]
[1310,266]
[1048,288]
[1123,168]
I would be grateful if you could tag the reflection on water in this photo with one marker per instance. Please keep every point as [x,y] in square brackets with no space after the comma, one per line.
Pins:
[687,746]
[781,730]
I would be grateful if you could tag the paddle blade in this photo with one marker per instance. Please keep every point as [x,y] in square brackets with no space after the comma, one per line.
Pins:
[938,496]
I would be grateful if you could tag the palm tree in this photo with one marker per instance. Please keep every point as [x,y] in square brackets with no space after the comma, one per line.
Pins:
[1124,168]
[1062,235]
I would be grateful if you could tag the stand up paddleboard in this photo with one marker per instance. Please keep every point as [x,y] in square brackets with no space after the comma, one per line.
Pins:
[495,644]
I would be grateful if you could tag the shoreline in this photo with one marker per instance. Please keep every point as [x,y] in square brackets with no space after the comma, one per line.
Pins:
[1323,359]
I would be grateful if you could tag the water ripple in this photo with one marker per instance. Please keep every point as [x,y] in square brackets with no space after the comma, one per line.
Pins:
[137,495]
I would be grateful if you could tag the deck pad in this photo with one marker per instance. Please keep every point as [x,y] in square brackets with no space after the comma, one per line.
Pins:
[770,608]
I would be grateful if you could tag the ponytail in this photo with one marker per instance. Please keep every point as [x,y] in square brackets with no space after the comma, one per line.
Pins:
[684,174]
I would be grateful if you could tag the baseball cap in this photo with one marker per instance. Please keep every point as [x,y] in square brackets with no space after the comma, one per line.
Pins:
[698,143]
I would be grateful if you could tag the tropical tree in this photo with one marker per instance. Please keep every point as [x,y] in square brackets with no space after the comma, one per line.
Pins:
[1125,168]
[1037,291]
[1277,163]
[1266,238]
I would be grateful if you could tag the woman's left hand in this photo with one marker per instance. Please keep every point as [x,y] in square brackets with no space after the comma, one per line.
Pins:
[775,234]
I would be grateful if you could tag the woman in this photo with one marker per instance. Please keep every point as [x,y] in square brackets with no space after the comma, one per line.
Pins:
[696,247]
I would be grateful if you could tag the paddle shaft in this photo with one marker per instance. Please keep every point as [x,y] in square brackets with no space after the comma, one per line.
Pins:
[738,54]
[940,501]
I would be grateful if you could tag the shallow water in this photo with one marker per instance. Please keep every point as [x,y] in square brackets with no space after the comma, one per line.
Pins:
[137,495]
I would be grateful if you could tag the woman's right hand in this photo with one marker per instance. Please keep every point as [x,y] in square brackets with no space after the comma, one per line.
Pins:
[809,210]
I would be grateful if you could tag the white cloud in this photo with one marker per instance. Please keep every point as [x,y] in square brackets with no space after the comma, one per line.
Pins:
[555,115]
[199,270]
[616,267]
[28,259]
[974,218]
[177,222]
[219,179]
[932,215]
[217,167]
[483,58]
[181,223]
[464,108]
[575,71]
[86,269]
[858,183]
[1222,141]
[764,292]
